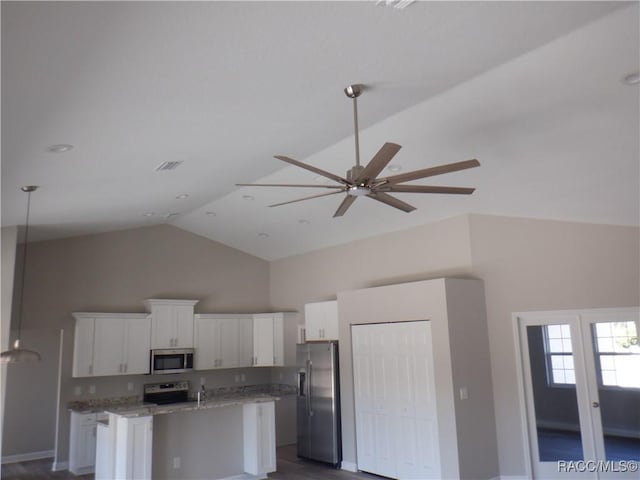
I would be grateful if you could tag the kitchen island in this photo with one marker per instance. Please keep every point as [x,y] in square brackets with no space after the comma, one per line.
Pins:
[226,437]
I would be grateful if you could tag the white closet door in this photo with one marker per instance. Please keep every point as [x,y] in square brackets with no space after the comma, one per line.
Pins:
[396,424]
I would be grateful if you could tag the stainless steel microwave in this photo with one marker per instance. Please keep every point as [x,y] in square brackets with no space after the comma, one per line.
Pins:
[171,360]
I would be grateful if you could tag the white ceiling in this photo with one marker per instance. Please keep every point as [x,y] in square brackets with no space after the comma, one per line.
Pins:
[531,89]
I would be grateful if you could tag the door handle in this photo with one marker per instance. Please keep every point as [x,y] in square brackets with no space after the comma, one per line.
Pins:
[595,404]
[309,372]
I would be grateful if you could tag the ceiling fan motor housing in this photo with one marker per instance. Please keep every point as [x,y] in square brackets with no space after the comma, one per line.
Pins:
[353,173]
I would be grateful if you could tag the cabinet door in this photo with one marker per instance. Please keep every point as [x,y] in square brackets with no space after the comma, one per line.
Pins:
[278,340]
[330,321]
[83,347]
[137,345]
[82,443]
[245,343]
[183,317]
[263,352]
[229,341]
[313,320]
[163,327]
[108,350]
[259,438]
[206,343]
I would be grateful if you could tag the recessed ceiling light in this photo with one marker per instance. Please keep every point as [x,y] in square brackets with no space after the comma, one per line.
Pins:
[631,79]
[399,4]
[182,197]
[263,235]
[248,197]
[304,221]
[148,214]
[59,148]
[211,214]
[394,168]
[170,214]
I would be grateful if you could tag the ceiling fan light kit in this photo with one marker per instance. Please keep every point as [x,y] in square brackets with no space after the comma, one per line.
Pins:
[363,181]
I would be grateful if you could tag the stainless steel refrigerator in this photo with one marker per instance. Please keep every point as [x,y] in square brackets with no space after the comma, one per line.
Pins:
[318,405]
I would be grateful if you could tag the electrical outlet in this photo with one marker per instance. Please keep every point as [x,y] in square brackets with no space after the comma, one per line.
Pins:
[176,462]
[237,378]
[130,386]
[92,389]
[201,381]
[77,390]
[243,377]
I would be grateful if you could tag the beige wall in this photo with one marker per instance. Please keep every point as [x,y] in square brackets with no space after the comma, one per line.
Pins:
[115,272]
[526,264]
[8,242]
[544,265]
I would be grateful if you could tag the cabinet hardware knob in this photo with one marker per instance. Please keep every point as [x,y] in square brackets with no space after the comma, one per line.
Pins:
[595,404]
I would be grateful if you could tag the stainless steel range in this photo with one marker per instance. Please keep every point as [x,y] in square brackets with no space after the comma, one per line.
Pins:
[165,393]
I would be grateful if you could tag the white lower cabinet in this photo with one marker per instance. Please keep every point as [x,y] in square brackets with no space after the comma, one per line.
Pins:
[82,442]
[259,433]
[134,442]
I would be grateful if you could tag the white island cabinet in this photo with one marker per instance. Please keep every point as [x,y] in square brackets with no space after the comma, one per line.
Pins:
[216,440]
[171,323]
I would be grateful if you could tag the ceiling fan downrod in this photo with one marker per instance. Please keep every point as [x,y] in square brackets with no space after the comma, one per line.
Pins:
[354,91]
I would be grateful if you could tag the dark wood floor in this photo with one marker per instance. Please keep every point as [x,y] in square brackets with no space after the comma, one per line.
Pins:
[290,467]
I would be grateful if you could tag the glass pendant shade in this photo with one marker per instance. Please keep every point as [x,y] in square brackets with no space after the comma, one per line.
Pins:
[19,355]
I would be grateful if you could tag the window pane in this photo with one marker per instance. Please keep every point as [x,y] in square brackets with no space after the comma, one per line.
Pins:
[555,346]
[554,331]
[557,361]
[566,331]
[607,362]
[570,376]
[605,344]
[568,362]
[609,378]
[558,376]
[603,329]
[566,345]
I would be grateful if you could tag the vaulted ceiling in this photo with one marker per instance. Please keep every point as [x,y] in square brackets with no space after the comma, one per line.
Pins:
[533,90]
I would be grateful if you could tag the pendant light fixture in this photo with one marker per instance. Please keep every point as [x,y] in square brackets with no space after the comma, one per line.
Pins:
[17,354]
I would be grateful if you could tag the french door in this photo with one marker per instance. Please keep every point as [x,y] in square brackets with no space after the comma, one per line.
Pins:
[581,385]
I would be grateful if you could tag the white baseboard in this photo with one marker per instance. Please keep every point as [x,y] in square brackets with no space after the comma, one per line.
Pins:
[25,457]
[512,477]
[348,466]
[244,476]
[59,466]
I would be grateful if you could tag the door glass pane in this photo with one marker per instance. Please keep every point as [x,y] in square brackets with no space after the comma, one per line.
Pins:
[617,360]
[554,393]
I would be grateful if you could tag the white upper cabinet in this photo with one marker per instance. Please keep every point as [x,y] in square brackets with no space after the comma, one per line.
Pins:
[111,344]
[268,339]
[223,341]
[321,321]
[83,346]
[171,323]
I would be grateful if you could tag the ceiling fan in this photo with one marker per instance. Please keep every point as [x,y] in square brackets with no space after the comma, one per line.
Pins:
[364,181]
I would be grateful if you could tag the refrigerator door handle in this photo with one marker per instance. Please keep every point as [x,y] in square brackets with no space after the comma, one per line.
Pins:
[309,380]
[302,390]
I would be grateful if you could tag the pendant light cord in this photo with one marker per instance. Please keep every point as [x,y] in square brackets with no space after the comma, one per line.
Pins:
[24,266]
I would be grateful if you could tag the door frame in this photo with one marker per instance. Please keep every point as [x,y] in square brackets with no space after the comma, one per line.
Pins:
[580,353]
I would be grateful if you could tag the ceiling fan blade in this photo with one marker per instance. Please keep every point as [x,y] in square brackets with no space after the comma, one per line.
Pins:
[344,206]
[378,162]
[306,198]
[287,185]
[392,201]
[430,172]
[313,169]
[424,189]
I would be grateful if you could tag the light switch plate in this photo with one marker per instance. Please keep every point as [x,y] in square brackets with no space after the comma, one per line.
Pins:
[77,390]
[92,389]
[130,386]
[464,393]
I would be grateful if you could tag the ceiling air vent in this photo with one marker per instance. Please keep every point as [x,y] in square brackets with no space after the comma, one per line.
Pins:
[167,166]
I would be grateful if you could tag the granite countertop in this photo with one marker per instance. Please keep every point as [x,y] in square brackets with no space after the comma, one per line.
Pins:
[215,402]
[133,405]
